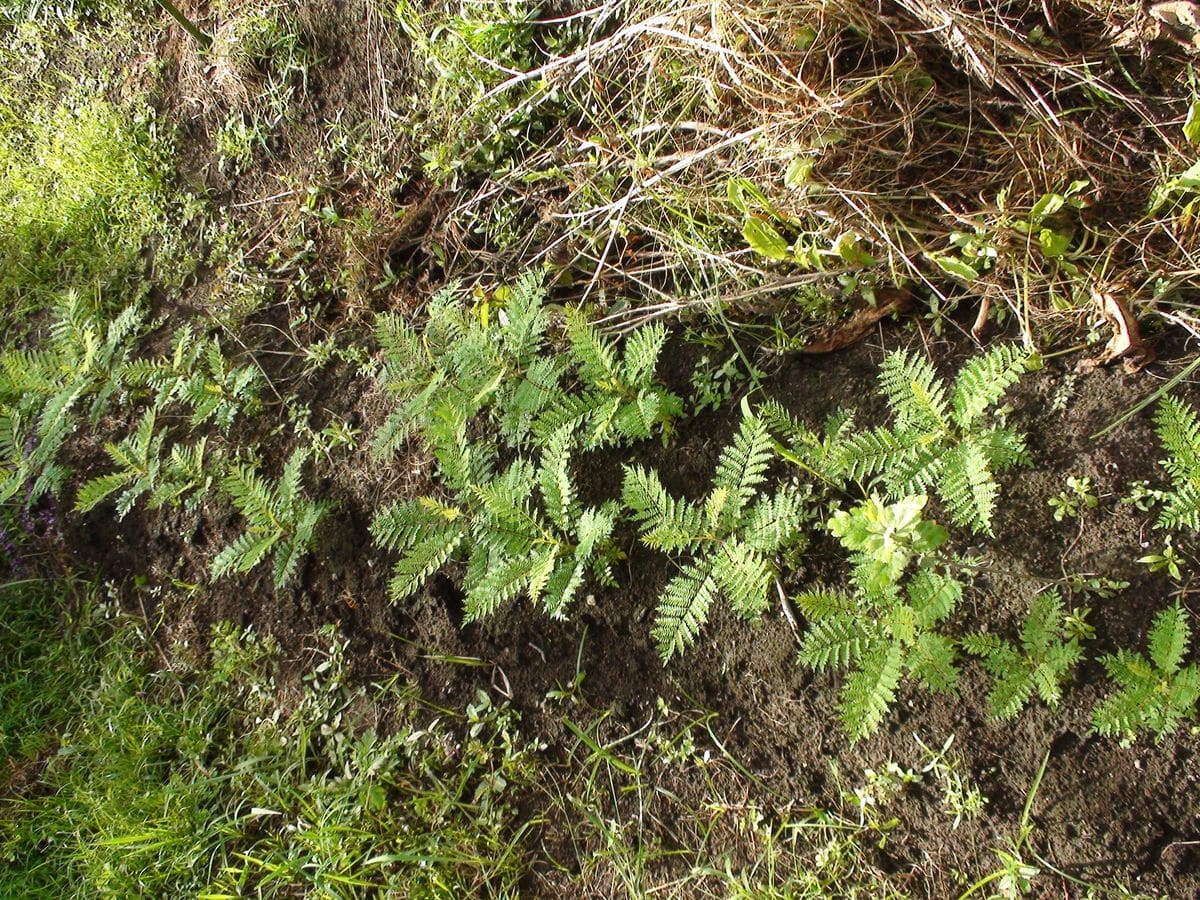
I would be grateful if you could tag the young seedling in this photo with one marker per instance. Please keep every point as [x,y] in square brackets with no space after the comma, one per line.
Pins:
[1077,497]
[1156,693]
[1040,663]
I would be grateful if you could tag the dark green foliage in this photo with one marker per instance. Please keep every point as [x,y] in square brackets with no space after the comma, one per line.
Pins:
[886,626]
[943,439]
[728,541]
[1039,664]
[1178,428]
[1153,694]
[279,520]
[619,398]
[468,360]
[46,393]
[491,360]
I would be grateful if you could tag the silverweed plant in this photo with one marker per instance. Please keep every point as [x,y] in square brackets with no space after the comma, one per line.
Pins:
[1154,693]
[522,530]
[886,626]
[729,540]
[280,520]
[947,439]
[1040,663]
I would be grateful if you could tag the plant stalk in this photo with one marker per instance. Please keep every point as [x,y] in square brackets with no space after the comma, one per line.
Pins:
[204,40]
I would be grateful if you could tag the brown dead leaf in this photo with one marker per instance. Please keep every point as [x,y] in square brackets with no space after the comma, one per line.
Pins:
[1181,21]
[1126,343]
[856,327]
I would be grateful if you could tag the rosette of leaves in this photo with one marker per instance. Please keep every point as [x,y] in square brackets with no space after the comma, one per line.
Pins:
[522,531]
[727,542]
[884,627]
[619,398]
[1039,663]
[949,440]
[280,521]
[1155,693]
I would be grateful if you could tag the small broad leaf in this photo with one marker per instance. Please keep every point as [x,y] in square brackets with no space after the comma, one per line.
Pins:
[1191,126]
[764,239]
[1046,206]
[953,266]
[1053,243]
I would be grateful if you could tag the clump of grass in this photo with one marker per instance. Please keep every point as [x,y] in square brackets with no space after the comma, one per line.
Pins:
[212,779]
[82,188]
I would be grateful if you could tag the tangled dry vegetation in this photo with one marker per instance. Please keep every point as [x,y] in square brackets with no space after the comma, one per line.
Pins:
[745,155]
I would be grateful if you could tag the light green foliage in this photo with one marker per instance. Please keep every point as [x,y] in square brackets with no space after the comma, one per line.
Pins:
[1178,428]
[886,626]
[466,360]
[523,531]
[1168,560]
[728,540]
[280,521]
[196,373]
[142,468]
[1153,694]
[945,438]
[1039,664]
[1077,497]
[620,398]
[81,188]
[44,393]
[213,780]
[491,359]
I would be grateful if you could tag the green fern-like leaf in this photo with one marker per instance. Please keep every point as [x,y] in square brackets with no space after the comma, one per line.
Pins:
[865,454]
[870,691]
[968,488]
[642,351]
[666,523]
[933,596]
[773,523]
[1178,428]
[742,466]
[837,640]
[914,392]
[422,558]
[744,578]
[278,519]
[932,662]
[596,356]
[1169,639]
[983,381]
[683,610]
